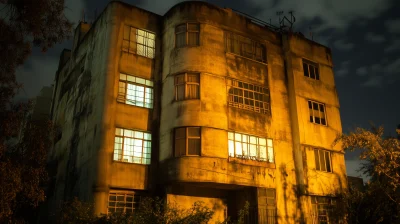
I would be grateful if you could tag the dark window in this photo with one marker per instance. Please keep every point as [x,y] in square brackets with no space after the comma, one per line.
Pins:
[248,96]
[187,34]
[310,69]
[123,202]
[187,86]
[323,160]
[188,141]
[245,47]
[317,112]
[266,205]
[322,208]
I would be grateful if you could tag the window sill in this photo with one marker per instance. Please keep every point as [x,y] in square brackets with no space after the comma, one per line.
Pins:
[238,55]
[133,105]
[186,46]
[321,171]
[134,53]
[251,162]
[122,162]
[324,125]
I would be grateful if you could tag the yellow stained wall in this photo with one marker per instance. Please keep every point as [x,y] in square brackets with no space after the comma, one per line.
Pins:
[294,137]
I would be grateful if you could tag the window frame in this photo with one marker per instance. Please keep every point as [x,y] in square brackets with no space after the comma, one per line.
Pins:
[149,84]
[187,31]
[264,93]
[315,208]
[131,40]
[142,158]
[135,204]
[186,83]
[312,115]
[255,44]
[267,146]
[315,67]
[318,162]
[187,137]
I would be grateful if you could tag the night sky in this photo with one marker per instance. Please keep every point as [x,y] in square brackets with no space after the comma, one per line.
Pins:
[364,37]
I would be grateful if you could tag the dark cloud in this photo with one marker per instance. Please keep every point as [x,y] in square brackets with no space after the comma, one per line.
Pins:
[362,71]
[343,45]
[374,38]
[393,25]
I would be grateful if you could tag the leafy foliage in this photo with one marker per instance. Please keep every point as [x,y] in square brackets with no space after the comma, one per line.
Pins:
[379,202]
[23,24]
[151,210]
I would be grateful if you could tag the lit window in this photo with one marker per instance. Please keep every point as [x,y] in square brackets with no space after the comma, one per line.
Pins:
[132,146]
[187,86]
[138,42]
[245,47]
[310,69]
[250,147]
[248,96]
[135,91]
[187,35]
[317,112]
[121,202]
[322,208]
[187,141]
[322,160]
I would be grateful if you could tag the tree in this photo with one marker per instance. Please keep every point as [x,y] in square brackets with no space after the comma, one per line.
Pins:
[23,24]
[380,201]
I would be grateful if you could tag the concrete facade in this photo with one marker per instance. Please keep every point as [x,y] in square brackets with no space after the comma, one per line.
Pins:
[280,186]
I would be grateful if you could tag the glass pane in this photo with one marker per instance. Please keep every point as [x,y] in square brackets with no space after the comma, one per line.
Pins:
[193,38]
[253,140]
[328,161]
[147,136]
[141,81]
[317,166]
[180,92]
[180,28]
[128,133]
[149,83]
[138,134]
[180,133]
[180,39]
[193,27]
[238,148]
[130,78]
[253,150]
[238,137]
[194,132]
[122,76]
[194,146]
[269,141]
[262,141]
[193,78]
[231,146]
[230,135]
[270,154]
[263,153]
[193,91]
[119,131]
[180,147]
[322,160]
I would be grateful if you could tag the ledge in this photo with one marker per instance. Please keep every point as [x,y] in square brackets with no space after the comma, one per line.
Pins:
[250,162]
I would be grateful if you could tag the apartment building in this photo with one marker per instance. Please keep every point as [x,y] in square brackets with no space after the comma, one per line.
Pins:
[200,104]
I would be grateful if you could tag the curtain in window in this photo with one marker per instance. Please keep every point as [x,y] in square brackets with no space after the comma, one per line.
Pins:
[193,141]
[180,141]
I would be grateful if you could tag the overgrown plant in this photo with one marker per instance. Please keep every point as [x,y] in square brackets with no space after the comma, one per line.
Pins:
[379,202]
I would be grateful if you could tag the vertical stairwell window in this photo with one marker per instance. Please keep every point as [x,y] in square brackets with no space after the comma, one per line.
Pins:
[135,91]
[245,47]
[140,42]
[317,112]
[323,160]
[187,86]
[310,69]
[187,141]
[187,34]
[132,146]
